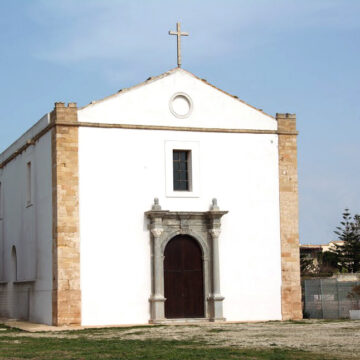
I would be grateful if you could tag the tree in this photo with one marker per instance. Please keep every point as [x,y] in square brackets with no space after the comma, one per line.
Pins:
[307,266]
[328,262]
[348,253]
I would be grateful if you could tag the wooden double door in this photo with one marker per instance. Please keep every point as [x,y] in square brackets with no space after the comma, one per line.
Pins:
[183,278]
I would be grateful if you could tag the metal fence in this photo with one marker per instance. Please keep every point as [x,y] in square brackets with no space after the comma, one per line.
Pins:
[329,298]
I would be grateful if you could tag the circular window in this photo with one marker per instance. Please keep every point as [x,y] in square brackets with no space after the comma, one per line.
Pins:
[181,105]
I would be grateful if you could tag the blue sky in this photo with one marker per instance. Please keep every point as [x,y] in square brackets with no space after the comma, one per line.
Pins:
[279,55]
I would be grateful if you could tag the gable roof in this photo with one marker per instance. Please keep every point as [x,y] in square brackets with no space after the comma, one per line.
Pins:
[152,79]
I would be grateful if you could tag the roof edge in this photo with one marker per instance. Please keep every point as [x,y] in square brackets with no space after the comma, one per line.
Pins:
[165,74]
[125,90]
[41,124]
[228,94]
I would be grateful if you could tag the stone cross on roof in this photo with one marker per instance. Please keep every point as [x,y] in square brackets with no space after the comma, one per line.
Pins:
[178,33]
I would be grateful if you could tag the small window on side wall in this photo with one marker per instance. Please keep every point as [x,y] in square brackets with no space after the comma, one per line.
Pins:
[14,272]
[28,184]
[182,170]
[1,201]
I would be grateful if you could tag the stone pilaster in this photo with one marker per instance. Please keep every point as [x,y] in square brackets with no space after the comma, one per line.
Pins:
[157,298]
[289,218]
[215,299]
[66,295]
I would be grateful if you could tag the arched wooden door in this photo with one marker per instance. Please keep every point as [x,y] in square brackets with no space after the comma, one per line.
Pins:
[183,278]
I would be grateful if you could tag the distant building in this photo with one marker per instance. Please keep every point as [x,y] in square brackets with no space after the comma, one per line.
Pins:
[312,251]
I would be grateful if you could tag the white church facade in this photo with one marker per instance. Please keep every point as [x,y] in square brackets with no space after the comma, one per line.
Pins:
[166,201]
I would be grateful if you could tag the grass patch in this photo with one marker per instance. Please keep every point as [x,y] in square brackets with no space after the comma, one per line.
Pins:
[334,320]
[135,333]
[300,322]
[5,329]
[105,330]
[296,322]
[218,330]
[86,348]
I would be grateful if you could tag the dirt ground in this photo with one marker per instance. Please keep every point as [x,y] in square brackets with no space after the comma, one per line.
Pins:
[337,338]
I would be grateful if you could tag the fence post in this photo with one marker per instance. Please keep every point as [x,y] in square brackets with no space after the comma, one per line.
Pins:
[338,298]
[322,299]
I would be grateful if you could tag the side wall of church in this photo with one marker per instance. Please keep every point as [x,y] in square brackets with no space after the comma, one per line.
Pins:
[121,172]
[26,233]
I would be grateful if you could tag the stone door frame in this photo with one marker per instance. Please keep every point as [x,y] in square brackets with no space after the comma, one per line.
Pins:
[205,228]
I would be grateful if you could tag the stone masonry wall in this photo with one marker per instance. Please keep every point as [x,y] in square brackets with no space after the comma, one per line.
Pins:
[289,218]
[66,297]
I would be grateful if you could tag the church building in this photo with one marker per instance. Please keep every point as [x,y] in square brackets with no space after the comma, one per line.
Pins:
[168,201]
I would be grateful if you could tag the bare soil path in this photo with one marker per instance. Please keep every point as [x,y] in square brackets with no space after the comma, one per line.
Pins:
[336,338]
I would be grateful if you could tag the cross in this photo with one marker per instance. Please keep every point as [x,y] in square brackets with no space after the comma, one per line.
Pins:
[178,33]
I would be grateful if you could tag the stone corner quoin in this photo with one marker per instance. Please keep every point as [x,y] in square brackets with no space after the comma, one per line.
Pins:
[289,226]
[66,296]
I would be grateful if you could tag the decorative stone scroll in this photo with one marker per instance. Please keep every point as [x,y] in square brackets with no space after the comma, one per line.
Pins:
[205,227]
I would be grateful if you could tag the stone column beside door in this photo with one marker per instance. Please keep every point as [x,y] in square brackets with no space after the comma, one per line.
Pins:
[215,299]
[157,298]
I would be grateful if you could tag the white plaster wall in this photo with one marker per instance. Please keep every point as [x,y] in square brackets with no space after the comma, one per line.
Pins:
[148,104]
[121,171]
[29,228]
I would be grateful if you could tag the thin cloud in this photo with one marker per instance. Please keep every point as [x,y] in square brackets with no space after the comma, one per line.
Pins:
[112,30]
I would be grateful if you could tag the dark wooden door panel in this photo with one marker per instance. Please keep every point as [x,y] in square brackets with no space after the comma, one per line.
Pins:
[172,261]
[193,300]
[174,306]
[183,278]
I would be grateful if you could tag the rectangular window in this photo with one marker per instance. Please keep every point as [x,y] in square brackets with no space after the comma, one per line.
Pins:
[1,202]
[28,183]
[181,170]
